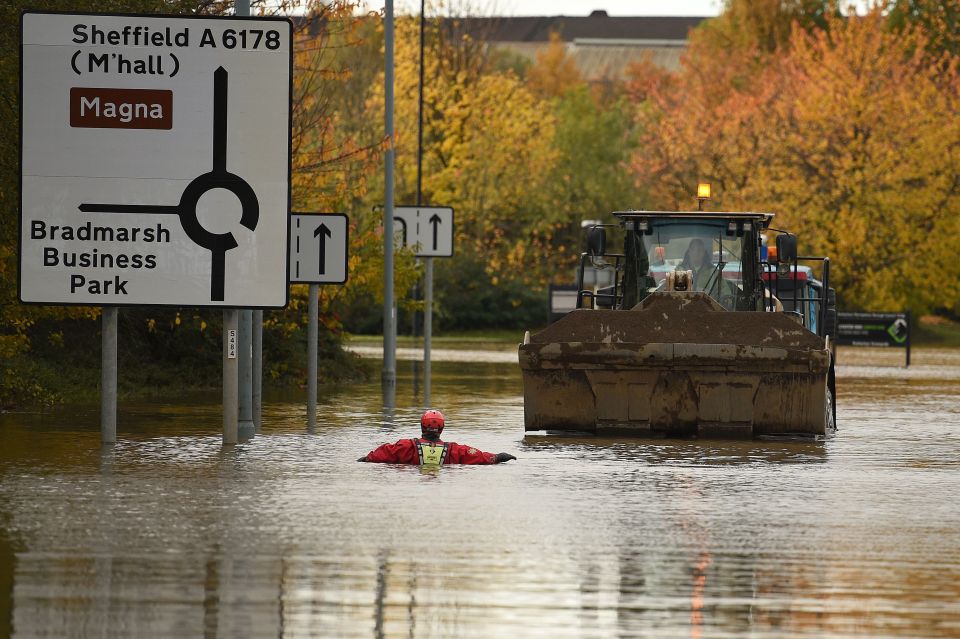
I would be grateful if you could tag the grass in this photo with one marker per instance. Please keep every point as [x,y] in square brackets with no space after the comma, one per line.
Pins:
[48,376]
[469,337]
[928,331]
[942,333]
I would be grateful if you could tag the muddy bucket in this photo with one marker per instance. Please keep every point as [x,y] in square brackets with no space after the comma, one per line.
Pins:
[676,364]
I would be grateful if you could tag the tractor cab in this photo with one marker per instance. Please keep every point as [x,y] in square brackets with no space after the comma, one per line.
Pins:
[724,255]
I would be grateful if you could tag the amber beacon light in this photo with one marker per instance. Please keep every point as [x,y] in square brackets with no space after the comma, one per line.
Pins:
[703,194]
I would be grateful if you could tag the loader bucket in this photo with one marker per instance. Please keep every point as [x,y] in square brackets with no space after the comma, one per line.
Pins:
[677,364]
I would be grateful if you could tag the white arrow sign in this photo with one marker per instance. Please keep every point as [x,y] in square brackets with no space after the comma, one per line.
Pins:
[426,229]
[155,160]
[319,248]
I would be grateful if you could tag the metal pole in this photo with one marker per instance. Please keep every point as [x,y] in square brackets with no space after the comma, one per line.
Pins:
[108,375]
[428,269]
[313,312]
[427,328]
[415,321]
[389,377]
[245,425]
[230,378]
[417,316]
[257,370]
[909,330]
[420,110]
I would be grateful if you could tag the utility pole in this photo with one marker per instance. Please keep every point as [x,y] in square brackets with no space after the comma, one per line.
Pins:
[257,370]
[230,376]
[313,304]
[108,374]
[428,261]
[389,376]
[245,426]
[245,413]
[231,320]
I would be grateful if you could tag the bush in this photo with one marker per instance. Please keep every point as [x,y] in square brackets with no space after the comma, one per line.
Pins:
[469,298]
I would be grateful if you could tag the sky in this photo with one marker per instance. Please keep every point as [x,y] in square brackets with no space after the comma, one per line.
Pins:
[575,7]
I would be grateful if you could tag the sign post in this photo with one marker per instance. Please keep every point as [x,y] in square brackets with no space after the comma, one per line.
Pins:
[429,231]
[313,331]
[246,411]
[884,330]
[230,377]
[155,162]
[909,324]
[428,268]
[389,374]
[318,255]
[427,328]
[245,425]
[108,375]
[257,370]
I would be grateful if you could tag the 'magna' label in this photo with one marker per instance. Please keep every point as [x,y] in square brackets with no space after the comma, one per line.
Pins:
[121,108]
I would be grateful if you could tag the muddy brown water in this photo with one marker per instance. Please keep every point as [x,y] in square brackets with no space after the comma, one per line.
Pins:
[168,535]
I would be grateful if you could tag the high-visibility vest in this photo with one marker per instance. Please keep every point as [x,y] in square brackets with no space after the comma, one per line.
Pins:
[431,454]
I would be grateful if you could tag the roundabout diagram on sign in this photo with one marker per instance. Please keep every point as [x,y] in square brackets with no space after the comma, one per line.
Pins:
[218,178]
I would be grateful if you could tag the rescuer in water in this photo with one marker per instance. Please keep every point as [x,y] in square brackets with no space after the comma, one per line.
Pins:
[430,450]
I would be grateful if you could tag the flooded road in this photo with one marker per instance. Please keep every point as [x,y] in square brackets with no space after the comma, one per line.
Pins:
[166,534]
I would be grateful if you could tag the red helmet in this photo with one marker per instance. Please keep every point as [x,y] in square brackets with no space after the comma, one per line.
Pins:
[432,420]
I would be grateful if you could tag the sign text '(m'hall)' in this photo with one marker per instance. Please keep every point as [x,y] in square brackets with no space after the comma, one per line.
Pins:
[100,108]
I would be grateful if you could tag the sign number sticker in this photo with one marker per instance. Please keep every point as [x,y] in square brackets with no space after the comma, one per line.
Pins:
[232,343]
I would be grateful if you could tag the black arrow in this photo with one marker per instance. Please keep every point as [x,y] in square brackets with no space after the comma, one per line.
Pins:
[322,232]
[403,224]
[435,221]
[220,120]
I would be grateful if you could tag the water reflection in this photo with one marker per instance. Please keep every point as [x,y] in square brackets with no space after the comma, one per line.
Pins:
[7,568]
[683,452]
[169,534]
[389,394]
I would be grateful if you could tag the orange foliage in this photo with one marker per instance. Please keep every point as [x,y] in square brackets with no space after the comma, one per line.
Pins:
[850,133]
[330,165]
[645,78]
[555,72]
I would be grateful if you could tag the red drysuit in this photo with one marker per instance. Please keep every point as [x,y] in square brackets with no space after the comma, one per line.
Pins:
[406,451]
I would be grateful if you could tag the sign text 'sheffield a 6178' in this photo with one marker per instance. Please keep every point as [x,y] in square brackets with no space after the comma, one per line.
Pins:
[155,160]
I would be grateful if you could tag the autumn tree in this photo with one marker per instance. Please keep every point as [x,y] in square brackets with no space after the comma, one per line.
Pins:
[332,165]
[645,78]
[17,321]
[764,26]
[590,179]
[850,133]
[487,149]
[554,72]
[938,19]
[864,159]
[701,124]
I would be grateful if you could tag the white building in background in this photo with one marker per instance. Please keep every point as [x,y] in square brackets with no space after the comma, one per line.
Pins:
[602,46]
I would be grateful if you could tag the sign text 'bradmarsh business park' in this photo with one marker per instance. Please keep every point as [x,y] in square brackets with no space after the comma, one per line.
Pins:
[155,160]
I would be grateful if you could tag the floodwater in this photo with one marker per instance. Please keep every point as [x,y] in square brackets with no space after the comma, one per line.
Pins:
[168,535]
